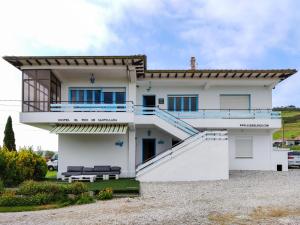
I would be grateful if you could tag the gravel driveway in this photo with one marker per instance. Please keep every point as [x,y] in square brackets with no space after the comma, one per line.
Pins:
[247,198]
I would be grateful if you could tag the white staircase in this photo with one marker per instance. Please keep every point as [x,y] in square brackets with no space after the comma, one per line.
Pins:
[202,156]
[165,121]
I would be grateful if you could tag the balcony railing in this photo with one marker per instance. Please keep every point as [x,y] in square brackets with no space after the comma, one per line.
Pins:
[140,110]
[93,107]
[229,114]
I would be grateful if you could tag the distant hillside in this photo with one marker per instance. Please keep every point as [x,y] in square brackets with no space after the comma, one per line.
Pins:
[291,119]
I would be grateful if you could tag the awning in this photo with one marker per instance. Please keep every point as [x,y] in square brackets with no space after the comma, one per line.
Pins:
[90,129]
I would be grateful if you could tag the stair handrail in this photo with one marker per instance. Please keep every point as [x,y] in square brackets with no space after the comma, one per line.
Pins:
[176,148]
[179,121]
[186,127]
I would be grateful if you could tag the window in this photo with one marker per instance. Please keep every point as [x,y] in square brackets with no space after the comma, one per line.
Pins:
[120,97]
[40,87]
[184,103]
[243,147]
[97,96]
[108,97]
[235,101]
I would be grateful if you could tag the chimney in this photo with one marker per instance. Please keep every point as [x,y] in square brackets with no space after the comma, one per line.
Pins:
[193,63]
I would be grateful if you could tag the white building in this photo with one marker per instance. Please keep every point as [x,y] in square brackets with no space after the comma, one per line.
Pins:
[157,125]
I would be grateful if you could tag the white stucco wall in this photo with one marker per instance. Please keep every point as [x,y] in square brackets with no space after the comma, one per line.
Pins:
[156,133]
[91,150]
[264,158]
[209,98]
[205,161]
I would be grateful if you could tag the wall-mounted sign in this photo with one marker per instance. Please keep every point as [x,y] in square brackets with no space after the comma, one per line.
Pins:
[161,101]
[88,120]
[119,143]
[161,142]
[254,125]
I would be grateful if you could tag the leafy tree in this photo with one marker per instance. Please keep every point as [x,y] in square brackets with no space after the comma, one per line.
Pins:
[9,136]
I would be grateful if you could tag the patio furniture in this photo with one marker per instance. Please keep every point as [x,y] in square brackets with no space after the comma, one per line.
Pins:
[72,171]
[104,172]
[90,178]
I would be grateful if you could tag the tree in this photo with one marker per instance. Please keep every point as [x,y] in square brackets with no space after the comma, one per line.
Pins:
[9,136]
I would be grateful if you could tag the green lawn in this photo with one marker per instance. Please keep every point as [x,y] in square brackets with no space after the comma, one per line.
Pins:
[30,208]
[51,174]
[291,125]
[123,185]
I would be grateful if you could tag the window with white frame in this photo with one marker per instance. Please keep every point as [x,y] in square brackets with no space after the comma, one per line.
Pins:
[244,147]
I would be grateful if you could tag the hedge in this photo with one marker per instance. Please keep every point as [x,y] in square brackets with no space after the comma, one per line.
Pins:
[16,167]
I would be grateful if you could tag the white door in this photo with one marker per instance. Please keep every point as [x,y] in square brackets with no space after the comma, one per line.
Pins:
[234,101]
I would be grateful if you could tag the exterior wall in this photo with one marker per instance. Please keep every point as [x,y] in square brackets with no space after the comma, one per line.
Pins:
[264,158]
[84,82]
[261,97]
[203,161]
[156,133]
[91,150]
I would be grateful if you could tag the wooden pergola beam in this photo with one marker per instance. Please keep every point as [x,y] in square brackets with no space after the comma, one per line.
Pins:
[38,62]
[48,62]
[28,61]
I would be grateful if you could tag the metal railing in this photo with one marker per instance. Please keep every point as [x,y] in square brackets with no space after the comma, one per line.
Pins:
[228,114]
[141,110]
[172,116]
[91,107]
[206,135]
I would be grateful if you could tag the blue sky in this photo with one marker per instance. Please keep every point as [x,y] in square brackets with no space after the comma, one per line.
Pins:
[235,34]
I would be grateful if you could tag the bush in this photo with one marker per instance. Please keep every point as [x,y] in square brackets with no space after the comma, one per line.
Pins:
[15,167]
[1,187]
[75,188]
[105,194]
[40,169]
[10,199]
[84,198]
[32,187]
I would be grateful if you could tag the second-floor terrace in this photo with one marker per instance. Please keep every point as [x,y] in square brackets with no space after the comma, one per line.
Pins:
[113,89]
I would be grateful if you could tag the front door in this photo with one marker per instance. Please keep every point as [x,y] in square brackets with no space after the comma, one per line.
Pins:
[148,101]
[148,149]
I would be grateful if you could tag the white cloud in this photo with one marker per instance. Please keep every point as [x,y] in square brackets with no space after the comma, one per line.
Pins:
[231,33]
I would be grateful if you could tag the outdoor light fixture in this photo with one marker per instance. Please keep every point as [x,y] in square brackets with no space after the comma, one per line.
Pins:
[149,88]
[92,79]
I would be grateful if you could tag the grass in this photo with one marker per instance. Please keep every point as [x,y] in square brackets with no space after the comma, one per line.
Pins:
[291,125]
[30,208]
[51,174]
[123,185]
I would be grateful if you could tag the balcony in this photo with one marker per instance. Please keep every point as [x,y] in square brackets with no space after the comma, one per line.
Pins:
[217,118]
[229,114]
[86,107]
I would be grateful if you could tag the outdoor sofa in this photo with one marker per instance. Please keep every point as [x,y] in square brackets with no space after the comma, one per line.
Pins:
[99,171]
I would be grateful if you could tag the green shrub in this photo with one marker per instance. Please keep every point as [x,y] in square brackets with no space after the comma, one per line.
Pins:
[1,187]
[40,169]
[16,167]
[75,188]
[32,187]
[10,199]
[84,198]
[105,194]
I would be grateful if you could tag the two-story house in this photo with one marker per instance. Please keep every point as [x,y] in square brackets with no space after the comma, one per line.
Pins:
[157,125]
